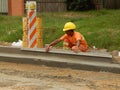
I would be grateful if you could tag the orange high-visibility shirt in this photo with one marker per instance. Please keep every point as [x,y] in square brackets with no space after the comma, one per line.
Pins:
[73,39]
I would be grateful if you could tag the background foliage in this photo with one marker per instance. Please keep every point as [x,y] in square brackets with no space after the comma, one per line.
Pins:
[79,5]
[100,28]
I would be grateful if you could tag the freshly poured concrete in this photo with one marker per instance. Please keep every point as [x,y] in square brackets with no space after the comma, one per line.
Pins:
[94,60]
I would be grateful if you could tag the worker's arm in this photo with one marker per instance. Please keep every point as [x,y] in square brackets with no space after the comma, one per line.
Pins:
[78,43]
[52,44]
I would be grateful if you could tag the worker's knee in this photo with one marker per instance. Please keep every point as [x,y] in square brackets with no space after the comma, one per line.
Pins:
[66,44]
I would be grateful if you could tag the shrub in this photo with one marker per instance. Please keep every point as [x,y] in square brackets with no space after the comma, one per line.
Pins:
[79,5]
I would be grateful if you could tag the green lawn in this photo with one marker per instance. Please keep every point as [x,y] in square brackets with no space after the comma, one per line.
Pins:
[100,28]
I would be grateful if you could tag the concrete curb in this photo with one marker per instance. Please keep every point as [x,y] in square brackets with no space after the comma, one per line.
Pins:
[58,58]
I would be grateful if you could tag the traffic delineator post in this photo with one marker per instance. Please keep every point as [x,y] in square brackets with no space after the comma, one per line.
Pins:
[32,38]
[32,29]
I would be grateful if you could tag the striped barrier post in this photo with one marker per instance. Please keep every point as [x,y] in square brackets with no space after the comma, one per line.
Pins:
[32,27]
[31,15]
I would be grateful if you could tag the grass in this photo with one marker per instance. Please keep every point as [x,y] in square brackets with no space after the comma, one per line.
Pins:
[100,28]
[10,28]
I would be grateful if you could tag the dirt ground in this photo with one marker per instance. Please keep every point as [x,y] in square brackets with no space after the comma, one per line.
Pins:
[34,77]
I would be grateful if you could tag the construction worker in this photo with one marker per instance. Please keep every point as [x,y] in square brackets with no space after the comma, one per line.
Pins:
[71,40]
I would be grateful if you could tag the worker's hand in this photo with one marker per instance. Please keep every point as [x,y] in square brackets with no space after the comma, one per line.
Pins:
[75,49]
[48,48]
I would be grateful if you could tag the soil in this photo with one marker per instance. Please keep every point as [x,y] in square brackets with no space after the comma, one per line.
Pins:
[15,76]
[5,44]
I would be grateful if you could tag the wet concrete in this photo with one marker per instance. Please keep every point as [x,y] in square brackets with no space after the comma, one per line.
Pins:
[96,61]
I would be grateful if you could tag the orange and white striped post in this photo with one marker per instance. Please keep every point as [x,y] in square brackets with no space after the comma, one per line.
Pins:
[31,16]
[32,27]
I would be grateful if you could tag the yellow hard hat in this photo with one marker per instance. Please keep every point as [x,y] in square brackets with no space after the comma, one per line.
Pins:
[69,26]
[32,6]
